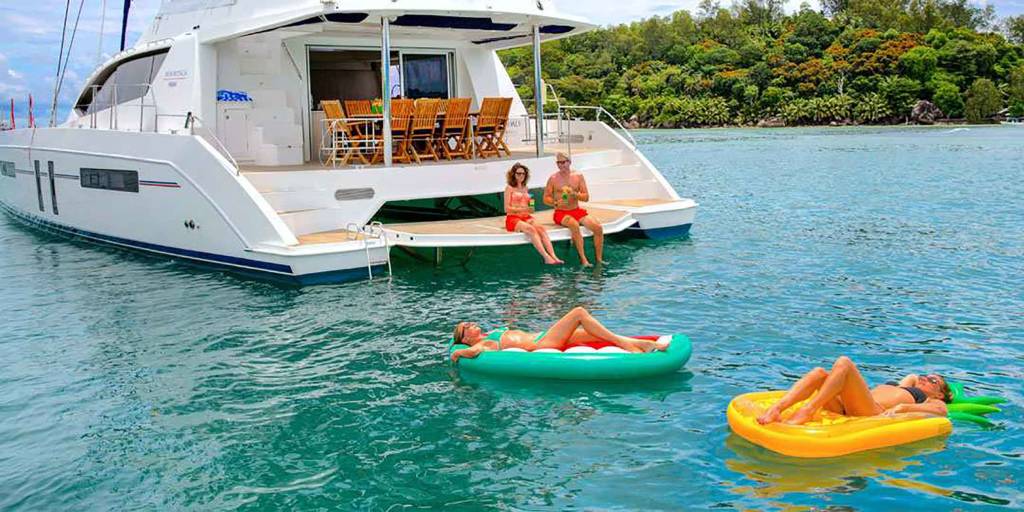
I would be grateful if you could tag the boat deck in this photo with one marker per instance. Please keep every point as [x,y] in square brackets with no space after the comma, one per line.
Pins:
[330,237]
[489,231]
[517,154]
[614,216]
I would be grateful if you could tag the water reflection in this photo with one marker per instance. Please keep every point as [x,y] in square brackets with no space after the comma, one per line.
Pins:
[776,475]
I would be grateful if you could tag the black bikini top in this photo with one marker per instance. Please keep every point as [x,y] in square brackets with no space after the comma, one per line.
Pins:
[920,396]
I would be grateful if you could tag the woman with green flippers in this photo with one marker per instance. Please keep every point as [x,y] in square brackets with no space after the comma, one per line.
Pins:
[575,328]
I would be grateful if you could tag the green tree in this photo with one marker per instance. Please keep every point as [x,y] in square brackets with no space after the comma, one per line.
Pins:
[983,101]
[947,98]
[1014,27]
[867,60]
[900,93]
[919,63]
[871,108]
[1015,88]
[1017,109]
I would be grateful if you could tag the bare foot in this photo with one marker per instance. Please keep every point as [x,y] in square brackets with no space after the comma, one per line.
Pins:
[662,346]
[646,345]
[549,261]
[602,262]
[801,416]
[586,263]
[772,415]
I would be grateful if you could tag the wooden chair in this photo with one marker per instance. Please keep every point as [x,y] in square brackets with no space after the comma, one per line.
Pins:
[487,126]
[499,135]
[343,136]
[455,128]
[356,109]
[401,118]
[424,121]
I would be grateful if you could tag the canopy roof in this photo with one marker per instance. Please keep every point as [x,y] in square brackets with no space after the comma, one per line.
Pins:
[480,22]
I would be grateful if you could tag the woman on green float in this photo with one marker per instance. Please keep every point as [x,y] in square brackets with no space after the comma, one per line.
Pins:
[844,391]
[575,328]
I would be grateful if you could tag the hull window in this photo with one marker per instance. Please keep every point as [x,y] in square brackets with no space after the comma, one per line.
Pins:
[110,179]
[7,169]
[53,188]
[39,187]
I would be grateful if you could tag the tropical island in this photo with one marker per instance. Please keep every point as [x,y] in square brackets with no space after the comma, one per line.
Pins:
[854,62]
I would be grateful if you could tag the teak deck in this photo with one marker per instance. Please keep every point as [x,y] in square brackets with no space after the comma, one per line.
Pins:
[493,225]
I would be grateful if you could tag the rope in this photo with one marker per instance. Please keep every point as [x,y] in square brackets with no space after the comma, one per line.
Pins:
[103,23]
[60,58]
[67,58]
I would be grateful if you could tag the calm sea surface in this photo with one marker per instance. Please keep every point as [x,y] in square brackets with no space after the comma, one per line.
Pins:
[134,383]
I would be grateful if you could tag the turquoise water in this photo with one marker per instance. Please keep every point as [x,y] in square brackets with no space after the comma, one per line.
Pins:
[133,383]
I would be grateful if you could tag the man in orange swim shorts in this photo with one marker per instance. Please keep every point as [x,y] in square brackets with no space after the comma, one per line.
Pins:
[564,191]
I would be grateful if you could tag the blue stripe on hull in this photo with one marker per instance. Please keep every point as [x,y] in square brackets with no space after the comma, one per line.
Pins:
[254,268]
[661,233]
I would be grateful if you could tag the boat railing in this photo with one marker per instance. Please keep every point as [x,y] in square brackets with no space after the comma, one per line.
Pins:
[564,119]
[113,105]
[598,112]
[192,122]
[345,139]
[564,116]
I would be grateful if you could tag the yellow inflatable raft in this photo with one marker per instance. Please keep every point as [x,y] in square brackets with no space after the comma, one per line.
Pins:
[827,434]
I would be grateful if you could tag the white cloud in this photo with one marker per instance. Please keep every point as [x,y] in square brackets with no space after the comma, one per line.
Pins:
[11,82]
[26,25]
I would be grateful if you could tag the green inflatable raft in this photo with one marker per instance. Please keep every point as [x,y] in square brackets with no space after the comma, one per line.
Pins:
[579,363]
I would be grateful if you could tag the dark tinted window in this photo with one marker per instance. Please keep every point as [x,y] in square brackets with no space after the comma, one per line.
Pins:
[109,179]
[7,169]
[129,81]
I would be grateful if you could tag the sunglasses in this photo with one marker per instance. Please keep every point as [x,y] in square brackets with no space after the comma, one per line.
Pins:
[932,379]
[520,173]
[560,162]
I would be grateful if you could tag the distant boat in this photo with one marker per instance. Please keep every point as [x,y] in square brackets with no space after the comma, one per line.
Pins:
[1017,121]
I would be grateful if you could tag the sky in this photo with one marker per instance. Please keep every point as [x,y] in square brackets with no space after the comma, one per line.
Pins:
[29,52]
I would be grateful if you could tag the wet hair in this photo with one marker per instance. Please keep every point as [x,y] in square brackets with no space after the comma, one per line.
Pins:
[510,176]
[460,332]
[947,394]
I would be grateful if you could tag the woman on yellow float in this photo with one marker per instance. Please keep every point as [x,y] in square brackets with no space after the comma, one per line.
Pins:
[844,391]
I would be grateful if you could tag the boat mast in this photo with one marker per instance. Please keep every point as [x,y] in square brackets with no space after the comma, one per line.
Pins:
[124,21]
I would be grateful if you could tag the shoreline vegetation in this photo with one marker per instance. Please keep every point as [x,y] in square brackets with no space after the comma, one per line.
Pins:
[855,62]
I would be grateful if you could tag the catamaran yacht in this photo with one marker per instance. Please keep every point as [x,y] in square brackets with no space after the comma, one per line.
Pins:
[289,140]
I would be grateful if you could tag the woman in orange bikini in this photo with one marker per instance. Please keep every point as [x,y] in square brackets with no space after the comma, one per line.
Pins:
[518,210]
